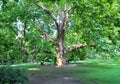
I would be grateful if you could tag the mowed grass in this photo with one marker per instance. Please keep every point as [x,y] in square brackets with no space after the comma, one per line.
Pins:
[98,73]
[89,72]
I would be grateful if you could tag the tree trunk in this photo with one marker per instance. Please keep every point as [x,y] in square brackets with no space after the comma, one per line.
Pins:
[34,59]
[60,56]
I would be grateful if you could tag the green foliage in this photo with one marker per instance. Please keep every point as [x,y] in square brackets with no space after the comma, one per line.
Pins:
[95,20]
[91,22]
[10,75]
[94,23]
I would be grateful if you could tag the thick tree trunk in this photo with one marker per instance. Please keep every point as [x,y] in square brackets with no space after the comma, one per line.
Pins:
[60,59]
[60,56]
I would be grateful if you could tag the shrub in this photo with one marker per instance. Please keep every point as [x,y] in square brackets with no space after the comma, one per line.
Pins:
[10,75]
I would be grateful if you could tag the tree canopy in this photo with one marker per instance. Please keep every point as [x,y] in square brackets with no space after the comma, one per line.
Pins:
[34,30]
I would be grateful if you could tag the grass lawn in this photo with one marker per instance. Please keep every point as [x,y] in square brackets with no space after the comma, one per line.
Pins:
[88,72]
[98,72]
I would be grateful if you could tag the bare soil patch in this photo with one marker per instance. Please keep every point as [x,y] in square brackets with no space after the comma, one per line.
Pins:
[52,75]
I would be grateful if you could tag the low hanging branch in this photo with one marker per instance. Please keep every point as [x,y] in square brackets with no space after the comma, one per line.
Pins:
[73,47]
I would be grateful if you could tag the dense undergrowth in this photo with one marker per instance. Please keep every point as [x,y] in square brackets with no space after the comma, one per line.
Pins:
[12,75]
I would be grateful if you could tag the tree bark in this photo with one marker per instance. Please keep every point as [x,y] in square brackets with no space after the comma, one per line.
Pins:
[60,56]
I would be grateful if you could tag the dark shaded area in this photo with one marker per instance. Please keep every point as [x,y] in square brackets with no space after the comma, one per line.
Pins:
[52,75]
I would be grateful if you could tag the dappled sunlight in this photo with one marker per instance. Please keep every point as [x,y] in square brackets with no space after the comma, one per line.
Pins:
[33,69]
[107,64]
[101,63]
[24,64]
[65,66]
[113,64]
[66,78]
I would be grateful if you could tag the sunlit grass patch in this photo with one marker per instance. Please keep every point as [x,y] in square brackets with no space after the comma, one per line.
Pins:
[33,69]
[112,64]
[99,73]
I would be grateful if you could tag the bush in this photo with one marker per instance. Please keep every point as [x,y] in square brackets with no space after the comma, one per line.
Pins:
[10,75]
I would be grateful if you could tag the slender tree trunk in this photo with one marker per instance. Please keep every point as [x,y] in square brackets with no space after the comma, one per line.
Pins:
[34,59]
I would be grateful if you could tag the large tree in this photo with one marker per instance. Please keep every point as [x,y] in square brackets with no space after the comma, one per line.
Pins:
[66,25]
[92,21]
[60,20]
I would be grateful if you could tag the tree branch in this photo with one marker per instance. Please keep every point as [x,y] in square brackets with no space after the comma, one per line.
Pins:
[45,35]
[23,49]
[73,47]
[32,51]
[49,13]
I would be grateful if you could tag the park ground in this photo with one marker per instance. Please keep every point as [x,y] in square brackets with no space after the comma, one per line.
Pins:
[84,72]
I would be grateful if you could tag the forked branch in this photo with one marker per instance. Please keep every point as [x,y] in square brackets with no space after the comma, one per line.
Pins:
[48,12]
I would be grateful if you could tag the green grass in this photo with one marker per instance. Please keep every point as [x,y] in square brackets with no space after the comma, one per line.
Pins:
[26,65]
[88,72]
[98,73]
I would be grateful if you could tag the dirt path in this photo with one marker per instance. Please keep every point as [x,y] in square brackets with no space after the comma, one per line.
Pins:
[51,76]
[49,79]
